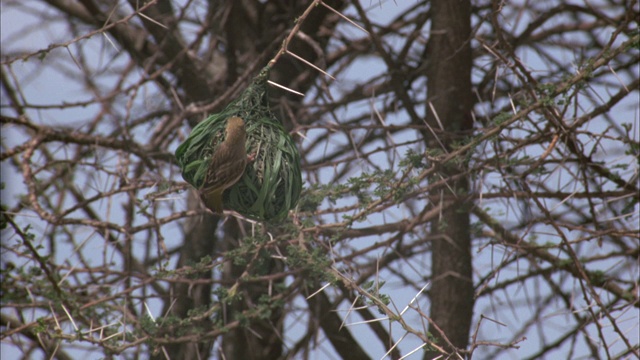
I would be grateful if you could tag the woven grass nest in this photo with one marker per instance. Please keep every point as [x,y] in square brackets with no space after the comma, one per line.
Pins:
[271,184]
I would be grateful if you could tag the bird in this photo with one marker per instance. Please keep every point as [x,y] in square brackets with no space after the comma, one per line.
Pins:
[226,166]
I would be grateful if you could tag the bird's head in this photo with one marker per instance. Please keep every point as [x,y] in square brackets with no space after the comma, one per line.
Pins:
[234,123]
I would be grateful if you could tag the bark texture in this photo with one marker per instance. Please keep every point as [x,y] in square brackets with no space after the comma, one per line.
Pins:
[449,62]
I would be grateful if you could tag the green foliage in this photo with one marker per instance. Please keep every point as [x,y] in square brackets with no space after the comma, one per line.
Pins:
[266,306]
[263,310]
[367,188]
[312,198]
[314,195]
[148,325]
[414,159]
[565,263]
[635,43]
[203,264]
[373,288]
[193,270]
[597,277]
[314,263]
[547,93]
[359,186]
[634,149]
[223,295]
[380,184]
[246,249]
[172,326]
[41,327]
[432,340]
[501,117]
[434,152]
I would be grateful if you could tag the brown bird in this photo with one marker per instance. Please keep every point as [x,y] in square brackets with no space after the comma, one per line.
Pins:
[226,166]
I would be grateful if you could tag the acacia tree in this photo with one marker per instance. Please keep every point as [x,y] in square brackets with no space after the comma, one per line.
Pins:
[471,180]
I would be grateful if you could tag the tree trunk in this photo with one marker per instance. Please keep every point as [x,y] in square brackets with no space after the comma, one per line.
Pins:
[449,114]
[200,241]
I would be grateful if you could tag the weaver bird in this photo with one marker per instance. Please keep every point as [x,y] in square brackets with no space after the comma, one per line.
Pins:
[226,166]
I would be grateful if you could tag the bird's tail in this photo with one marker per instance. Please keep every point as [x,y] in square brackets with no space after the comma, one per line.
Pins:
[213,201]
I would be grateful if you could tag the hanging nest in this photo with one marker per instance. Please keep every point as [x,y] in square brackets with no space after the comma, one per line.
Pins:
[271,184]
